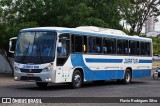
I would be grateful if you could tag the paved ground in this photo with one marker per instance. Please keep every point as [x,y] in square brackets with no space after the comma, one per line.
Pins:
[146,87]
[139,87]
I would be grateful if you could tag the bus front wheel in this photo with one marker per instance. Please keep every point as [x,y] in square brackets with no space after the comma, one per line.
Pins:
[76,79]
[127,77]
[41,84]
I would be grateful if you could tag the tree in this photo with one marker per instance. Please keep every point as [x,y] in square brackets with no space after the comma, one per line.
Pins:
[106,10]
[80,15]
[136,12]
[18,14]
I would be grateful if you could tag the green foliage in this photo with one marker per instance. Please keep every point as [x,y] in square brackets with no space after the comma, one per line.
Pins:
[7,31]
[156,45]
[19,14]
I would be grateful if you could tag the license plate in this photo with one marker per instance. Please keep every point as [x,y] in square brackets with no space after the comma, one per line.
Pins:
[30,75]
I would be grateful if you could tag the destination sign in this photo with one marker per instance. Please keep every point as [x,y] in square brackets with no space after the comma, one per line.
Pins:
[134,61]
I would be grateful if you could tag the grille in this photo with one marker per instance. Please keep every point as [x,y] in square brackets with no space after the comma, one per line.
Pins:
[31,70]
[30,78]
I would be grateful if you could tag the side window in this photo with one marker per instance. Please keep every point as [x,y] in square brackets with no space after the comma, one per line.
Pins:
[113,46]
[125,46]
[145,48]
[119,46]
[142,46]
[137,48]
[95,44]
[106,46]
[109,46]
[92,44]
[79,44]
[148,48]
[132,48]
[98,47]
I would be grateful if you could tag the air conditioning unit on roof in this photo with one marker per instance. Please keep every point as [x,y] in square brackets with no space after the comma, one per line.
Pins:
[102,30]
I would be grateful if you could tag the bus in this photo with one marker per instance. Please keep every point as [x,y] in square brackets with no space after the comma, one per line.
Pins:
[76,55]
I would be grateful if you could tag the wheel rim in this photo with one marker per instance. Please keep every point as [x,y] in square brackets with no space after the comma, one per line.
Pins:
[128,77]
[155,76]
[77,80]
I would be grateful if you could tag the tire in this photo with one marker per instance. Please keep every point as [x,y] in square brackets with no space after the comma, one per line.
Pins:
[127,77]
[155,76]
[42,84]
[76,79]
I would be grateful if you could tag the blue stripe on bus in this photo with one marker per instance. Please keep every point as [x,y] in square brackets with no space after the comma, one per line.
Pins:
[141,73]
[90,75]
[145,61]
[91,60]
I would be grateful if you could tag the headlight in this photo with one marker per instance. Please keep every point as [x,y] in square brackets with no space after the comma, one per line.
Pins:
[49,68]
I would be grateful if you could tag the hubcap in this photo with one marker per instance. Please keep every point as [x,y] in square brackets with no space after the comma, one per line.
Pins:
[77,80]
[127,77]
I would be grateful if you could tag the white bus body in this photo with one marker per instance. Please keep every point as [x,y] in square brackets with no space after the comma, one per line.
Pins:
[101,65]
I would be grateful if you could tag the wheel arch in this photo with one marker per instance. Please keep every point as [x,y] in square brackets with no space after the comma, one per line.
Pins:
[81,70]
[129,68]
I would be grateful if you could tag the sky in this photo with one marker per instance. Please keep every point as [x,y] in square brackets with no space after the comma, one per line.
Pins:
[157,24]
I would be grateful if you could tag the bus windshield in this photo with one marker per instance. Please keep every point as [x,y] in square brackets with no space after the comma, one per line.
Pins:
[35,47]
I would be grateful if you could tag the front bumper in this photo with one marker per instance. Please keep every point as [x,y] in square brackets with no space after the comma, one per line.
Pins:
[48,76]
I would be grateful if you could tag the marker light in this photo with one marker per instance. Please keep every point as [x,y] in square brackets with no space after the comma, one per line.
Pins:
[48,79]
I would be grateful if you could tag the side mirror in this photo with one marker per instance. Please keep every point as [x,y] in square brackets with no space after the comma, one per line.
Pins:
[59,44]
[11,46]
[59,47]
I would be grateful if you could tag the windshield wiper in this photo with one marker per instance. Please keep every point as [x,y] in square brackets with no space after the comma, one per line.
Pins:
[25,54]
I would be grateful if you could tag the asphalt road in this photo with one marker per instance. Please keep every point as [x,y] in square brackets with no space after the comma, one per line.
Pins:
[146,87]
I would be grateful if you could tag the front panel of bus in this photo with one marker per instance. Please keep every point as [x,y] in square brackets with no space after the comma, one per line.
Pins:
[35,56]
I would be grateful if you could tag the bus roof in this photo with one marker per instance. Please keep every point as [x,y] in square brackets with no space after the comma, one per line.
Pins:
[90,30]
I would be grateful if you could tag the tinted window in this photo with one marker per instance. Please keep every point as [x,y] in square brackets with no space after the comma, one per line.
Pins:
[145,48]
[109,45]
[119,46]
[79,44]
[95,45]
[132,47]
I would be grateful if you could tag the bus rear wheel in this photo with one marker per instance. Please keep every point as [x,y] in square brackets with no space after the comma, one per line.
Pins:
[41,84]
[127,77]
[76,79]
